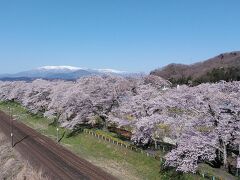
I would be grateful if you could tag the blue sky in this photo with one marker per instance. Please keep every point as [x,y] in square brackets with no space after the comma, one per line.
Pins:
[130,35]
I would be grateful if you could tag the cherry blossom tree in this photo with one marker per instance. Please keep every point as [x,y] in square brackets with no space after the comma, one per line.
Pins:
[202,120]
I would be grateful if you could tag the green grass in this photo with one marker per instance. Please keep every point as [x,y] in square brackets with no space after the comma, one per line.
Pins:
[121,162]
[217,173]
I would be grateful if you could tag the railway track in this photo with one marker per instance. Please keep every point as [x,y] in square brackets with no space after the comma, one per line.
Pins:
[43,153]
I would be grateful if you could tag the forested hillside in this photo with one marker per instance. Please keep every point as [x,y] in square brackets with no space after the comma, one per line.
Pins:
[222,67]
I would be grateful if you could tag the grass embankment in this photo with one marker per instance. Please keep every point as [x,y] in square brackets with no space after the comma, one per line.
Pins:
[121,162]
[12,166]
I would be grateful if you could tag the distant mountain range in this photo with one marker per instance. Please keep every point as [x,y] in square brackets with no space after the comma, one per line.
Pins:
[58,72]
[225,66]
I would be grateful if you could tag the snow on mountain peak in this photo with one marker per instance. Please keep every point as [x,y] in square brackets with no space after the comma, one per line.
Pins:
[71,68]
[110,71]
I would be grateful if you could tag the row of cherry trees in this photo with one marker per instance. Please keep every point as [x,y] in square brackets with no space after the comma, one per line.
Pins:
[203,121]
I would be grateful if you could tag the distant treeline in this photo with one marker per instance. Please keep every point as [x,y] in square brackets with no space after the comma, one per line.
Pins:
[215,75]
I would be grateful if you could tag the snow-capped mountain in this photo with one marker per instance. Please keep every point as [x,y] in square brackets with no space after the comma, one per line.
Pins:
[59,68]
[72,68]
[58,72]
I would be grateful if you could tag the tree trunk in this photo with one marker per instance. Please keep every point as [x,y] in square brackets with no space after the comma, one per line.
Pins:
[225,155]
[155,144]
[218,155]
[239,150]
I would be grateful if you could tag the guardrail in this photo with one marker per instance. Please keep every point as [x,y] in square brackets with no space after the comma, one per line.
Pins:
[122,145]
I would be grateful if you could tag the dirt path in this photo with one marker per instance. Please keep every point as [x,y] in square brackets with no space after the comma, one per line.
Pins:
[56,162]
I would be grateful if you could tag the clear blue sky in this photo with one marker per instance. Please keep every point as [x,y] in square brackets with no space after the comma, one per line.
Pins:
[131,35]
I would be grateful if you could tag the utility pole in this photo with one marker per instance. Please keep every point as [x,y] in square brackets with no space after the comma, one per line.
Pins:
[57,132]
[12,129]
[11,125]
